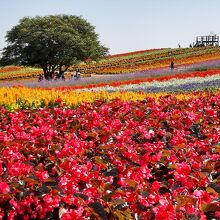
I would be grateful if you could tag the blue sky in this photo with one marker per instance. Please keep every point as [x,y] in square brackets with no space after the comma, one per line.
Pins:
[126,25]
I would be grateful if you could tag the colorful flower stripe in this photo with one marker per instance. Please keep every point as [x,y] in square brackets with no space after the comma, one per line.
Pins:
[149,159]
[10,69]
[20,74]
[16,72]
[94,79]
[105,63]
[158,54]
[123,55]
[21,97]
[149,80]
[153,64]
[212,85]
[181,56]
[164,84]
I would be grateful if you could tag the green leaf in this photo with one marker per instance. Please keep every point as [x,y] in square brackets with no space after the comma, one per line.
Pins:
[182,200]
[166,153]
[209,166]
[123,215]
[131,183]
[99,160]
[216,148]
[214,186]
[116,202]
[211,207]
[99,210]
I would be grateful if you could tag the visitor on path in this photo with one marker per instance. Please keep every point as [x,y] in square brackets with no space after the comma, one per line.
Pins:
[57,76]
[77,74]
[71,76]
[172,65]
[40,78]
[63,77]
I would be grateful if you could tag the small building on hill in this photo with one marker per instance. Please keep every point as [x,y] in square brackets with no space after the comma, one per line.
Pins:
[209,40]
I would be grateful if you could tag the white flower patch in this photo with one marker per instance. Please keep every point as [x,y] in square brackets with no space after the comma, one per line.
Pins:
[155,83]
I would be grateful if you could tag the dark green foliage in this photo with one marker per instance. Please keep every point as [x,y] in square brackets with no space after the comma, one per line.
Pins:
[52,42]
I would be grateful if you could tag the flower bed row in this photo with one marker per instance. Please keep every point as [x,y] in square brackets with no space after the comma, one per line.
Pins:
[143,83]
[10,69]
[150,76]
[29,98]
[17,72]
[135,53]
[206,82]
[149,159]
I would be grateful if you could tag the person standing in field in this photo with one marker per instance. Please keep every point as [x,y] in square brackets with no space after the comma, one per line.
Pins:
[40,78]
[172,65]
[77,74]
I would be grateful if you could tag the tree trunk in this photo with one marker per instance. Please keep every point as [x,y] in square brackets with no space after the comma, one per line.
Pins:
[47,72]
[50,69]
[64,70]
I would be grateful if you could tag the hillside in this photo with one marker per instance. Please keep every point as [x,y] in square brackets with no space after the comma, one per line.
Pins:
[150,59]
[135,62]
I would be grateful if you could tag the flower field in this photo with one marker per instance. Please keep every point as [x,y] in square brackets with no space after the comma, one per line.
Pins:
[21,97]
[142,145]
[132,62]
[155,158]
[173,81]
[16,72]
[146,60]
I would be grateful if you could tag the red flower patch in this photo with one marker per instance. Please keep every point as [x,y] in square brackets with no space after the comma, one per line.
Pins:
[123,160]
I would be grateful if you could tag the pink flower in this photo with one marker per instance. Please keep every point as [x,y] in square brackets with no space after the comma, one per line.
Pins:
[1,169]
[42,175]
[155,186]
[4,188]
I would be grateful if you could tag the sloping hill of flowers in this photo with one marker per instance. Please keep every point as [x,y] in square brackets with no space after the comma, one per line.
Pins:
[17,72]
[134,53]
[150,60]
[132,62]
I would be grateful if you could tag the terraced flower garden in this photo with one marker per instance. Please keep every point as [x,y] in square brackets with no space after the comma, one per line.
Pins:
[16,72]
[142,144]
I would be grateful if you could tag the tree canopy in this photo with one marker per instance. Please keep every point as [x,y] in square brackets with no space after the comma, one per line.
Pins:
[53,42]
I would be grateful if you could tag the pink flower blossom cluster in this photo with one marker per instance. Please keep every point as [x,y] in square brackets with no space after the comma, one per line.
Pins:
[112,160]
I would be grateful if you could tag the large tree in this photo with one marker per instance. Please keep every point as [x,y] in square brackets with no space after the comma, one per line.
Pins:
[53,42]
